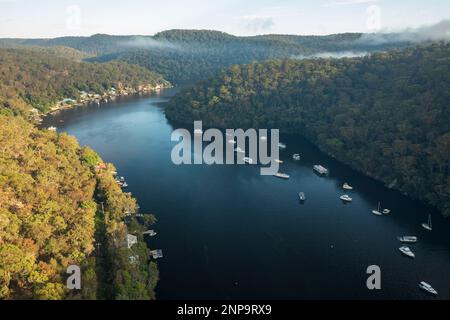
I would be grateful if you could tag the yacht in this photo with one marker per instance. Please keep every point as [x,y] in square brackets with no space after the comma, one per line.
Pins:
[428,226]
[248,160]
[386,211]
[124,185]
[346,198]
[239,150]
[263,138]
[296,157]
[378,211]
[302,196]
[198,131]
[407,252]
[320,169]
[428,288]
[278,161]
[282,145]
[232,141]
[282,176]
[52,129]
[346,186]
[408,239]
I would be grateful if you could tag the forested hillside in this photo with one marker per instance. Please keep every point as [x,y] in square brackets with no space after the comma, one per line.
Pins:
[189,55]
[41,77]
[387,115]
[59,203]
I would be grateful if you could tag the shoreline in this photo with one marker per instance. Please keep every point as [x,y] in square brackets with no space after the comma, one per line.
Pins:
[87,99]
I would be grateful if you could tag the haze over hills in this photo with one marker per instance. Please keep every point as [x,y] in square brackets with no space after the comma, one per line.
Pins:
[189,55]
[387,115]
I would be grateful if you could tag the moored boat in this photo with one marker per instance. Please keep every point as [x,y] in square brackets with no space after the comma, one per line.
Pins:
[282,176]
[320,169]
[377,212]
[248,160]
[282,145]
[346,186]
[428,226]
[428,288]
[408,239]
[296,157]
[407,252]
[302,196]
[346,198]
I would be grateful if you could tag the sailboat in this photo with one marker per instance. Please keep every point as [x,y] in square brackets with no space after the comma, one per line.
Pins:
[378,211]
[428,226]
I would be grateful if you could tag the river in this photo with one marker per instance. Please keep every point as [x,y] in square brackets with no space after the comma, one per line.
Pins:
[229,233]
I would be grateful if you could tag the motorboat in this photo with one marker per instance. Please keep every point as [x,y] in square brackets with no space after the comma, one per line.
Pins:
[428,288]
[346,198]
[407,252]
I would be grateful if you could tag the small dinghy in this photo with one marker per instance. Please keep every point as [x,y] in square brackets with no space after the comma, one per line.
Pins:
[346,186]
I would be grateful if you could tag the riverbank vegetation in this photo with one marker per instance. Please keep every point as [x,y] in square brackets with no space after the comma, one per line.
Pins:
[59,203]
[386,115]
[41,78]
[59,208]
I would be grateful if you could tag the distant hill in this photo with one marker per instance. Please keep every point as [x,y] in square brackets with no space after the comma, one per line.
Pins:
[40,76]
[189,55]
[386,115]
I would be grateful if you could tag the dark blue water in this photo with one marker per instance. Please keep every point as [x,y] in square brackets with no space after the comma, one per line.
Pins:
[229,233]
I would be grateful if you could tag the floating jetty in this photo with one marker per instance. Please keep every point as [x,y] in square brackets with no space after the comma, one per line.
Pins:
[156,254]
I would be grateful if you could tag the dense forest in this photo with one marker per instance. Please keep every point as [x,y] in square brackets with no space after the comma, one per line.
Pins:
[59,203]
[40,77]
[189,55]
[387,115]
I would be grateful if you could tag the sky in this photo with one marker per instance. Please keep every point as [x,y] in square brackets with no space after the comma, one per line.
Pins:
[54,18]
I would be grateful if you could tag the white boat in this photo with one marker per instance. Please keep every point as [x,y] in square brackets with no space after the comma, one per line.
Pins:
[198,131]
[239,150]
[408,239]
[407,252]
[302,196]
[124,185]
[386,211]
[263,138]
[232,141]
[346,198]
[346,186]
[282,176]
[282,145]
[428,226]
[278,161]
[51,128]
[378,211]
[320,169]
[428,288]
[248,160]
[296,157]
